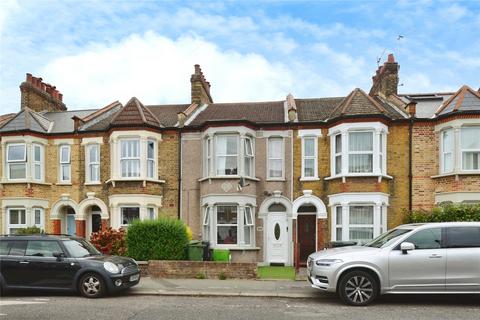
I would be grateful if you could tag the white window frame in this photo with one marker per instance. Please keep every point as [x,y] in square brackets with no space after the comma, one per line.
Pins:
[337,154]
[206,223]
[16,225]
[270,158]
[122,225]
[217,155]
[363,152]
[443,153]
[462,151]
[314,158]
[248,157]
[65,163]
[40,163]
[248,220]
[18,161]
[151,213]
[41,212]
[152,161]
[207,151]
[130,158]
[92,164]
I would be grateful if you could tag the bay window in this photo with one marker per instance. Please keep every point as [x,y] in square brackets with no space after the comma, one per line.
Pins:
[17,161]
[93,163]
[360,152]
[275,158]
[229,225]
[226,151]
[309,157]
[65,163]
[470,148]
[447,151]
[130,157]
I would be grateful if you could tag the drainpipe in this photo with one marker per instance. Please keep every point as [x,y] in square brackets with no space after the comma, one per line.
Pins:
[410,156]
[179,214]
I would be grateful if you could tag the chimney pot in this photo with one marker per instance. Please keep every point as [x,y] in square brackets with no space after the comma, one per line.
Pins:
[60,96]
[391,58]
[29,78]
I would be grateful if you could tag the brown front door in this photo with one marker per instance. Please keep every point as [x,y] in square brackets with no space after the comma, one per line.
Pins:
[307,230]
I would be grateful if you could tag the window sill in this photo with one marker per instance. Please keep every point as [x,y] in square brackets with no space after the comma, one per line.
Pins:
[25,181]
[236,248]
[113,181]
[63,184]
[309,179]
[275,180]
[92,183]
[227,177]
[458,173]
[362,175]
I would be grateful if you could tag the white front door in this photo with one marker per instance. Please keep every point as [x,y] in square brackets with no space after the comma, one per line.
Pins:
[277,238]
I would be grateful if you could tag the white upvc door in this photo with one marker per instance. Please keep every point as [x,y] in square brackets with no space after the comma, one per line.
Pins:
[277,238]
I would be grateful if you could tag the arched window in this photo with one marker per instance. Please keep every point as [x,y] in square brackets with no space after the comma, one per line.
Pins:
[276,207]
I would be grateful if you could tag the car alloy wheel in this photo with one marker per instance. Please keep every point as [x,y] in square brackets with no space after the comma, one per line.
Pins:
[91,286]
[358,288]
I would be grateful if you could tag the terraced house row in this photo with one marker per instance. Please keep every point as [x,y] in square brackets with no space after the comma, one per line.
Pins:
[272,181]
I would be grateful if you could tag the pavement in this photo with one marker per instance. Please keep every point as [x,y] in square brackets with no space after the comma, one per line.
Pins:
[226,288]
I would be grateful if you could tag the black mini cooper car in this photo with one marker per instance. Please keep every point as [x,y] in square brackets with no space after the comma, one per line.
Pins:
[63,263]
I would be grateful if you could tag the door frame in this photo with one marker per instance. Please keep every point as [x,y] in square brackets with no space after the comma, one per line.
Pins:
[88,222]
[287,238]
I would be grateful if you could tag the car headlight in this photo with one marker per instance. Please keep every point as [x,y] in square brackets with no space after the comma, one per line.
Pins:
[327,262]
[111,267]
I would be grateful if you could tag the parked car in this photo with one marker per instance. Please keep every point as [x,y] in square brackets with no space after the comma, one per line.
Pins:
[416,258]
[63,263]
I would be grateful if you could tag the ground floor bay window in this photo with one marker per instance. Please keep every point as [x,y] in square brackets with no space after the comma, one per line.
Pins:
[358,217]
[228,225]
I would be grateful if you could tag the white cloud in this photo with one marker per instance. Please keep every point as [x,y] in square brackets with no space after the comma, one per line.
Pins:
[7,8]
[453,13]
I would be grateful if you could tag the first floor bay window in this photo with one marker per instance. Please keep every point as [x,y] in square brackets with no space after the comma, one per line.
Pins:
[17,161]
[229,225]
[470,148]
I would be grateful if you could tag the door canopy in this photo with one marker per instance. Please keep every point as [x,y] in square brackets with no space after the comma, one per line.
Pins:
[309,199]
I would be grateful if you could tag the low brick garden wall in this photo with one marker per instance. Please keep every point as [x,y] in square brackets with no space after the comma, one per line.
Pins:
[191,269]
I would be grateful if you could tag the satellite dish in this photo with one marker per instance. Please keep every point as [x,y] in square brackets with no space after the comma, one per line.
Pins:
[241,184]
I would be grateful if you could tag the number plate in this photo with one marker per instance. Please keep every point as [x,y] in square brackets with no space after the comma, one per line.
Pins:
[135,277]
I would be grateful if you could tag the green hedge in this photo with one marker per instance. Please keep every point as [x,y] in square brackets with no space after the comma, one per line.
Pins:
[30,230]
[161,239]
[446,213]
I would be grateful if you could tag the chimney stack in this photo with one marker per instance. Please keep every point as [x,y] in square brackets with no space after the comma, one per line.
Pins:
[291,108]
[40,96]
[385,80]
[200,87]
[412,108]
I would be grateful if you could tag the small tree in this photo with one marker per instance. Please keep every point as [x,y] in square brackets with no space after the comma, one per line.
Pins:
[160,239]
[110,241]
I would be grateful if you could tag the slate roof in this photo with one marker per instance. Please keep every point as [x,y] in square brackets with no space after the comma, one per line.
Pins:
[465,99]
[316,109]
[62,120]
[167,114]
[258,112]
[27,119]
[5,118]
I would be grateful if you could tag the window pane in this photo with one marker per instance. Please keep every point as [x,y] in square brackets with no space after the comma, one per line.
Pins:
[275,168]
[463,237]
[129,214]
[471,160]
[277,207]
[248,166]
[361,215]
[275,148]
[470,138]
[360,141]
[94,153]
[37,174]
[358,163]
[338,143]
[94,172]
[151,150]
[17,248]
[426,239]
[17,216]
[248,147]
[227,165]
[339,234]
[151,213]
[227,235]
[16,152]
[309,147]
[248,235]
[42,248]
[37,153]
[65,154]
[150,168]
[248,216]
[227,215]
[339,215]
[360,235]
[309,168]
[38,216]
[65,172]
[447,162]
[226,145]
[338,164]
[447,144]
[18,170]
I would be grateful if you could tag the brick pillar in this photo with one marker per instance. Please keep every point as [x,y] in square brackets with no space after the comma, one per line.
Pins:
[57,226]
[295,243]
[104,224]
[322,233]
[80,228]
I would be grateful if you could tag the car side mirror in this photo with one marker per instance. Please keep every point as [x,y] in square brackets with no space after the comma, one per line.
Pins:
[407,246]
[58,255]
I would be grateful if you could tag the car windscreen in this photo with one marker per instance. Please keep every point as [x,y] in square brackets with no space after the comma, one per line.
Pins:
[80,248]
[387,238]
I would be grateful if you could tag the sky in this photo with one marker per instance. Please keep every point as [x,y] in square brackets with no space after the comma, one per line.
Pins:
[96,52]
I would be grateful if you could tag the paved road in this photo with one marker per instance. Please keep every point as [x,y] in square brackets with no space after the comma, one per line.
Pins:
[23,306]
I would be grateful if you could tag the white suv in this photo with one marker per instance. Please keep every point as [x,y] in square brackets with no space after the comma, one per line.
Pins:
[414,258]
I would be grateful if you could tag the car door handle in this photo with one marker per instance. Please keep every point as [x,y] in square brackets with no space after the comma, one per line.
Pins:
[24,262]
[435,256]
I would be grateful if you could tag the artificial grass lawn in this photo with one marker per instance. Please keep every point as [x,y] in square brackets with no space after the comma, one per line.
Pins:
[274,272]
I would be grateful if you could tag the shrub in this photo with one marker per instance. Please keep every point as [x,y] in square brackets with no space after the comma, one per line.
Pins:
[110,241]
[200,275]
[29,230]
[445,213]
[160,239]
[222,276]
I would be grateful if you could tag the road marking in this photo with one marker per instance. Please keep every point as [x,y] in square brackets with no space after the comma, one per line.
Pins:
[17,302]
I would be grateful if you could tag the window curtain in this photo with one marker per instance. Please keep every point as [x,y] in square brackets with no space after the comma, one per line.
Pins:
[360,145]
[361,223]
[226,150]
[275,146]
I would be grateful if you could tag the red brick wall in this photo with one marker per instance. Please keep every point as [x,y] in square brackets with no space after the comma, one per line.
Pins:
[211,269]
